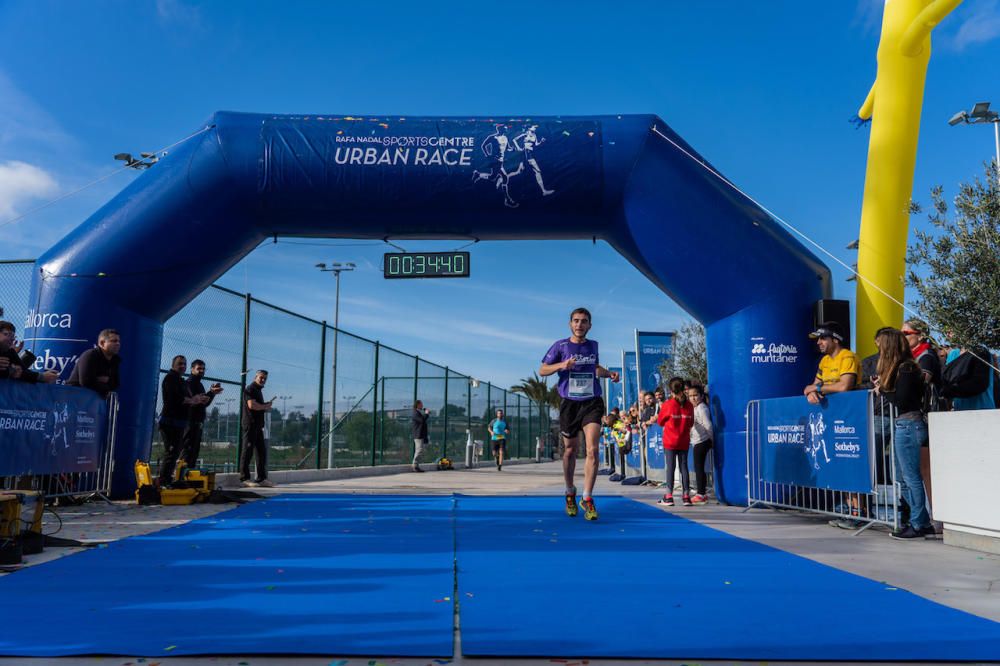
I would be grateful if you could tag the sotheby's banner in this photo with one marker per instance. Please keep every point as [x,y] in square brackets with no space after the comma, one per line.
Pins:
[817,446]
[49,429]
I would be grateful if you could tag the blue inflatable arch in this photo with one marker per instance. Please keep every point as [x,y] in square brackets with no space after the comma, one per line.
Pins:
[629,180]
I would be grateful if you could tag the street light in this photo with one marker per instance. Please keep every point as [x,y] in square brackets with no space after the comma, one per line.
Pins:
[336,268]
[981,114]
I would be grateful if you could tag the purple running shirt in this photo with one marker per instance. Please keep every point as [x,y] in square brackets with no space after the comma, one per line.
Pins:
[580,382]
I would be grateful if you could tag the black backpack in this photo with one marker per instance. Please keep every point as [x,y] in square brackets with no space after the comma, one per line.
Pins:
[966,376]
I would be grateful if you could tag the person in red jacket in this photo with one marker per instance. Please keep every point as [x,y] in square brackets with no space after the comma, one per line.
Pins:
[676,417]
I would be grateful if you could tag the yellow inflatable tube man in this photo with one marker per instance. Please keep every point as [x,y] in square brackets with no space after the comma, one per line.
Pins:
[894,105]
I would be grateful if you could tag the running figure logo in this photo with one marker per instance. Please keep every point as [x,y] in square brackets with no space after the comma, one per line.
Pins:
[817,440]
[495,146]
[526,142]
[60,418]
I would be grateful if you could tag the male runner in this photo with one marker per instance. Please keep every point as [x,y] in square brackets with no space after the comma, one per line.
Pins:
[495,146]
[498,434]
[575,359]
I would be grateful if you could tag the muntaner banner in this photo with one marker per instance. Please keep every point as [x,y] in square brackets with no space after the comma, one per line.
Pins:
[653,351]
[817,446]
[50,429]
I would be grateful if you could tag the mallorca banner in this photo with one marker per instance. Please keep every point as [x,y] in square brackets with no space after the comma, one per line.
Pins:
[50,429]
[629,385]
[654,350]
[817,446]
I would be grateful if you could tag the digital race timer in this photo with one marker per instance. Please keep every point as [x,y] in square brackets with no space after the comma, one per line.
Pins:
[425,264]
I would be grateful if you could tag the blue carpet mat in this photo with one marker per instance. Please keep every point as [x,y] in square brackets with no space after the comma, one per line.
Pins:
[298,574]
[640,582]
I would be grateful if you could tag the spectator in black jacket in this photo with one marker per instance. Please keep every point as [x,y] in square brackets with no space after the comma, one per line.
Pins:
[419,431]
[901,381]
[11,366]
[97,369]
[177,401]
[196,414]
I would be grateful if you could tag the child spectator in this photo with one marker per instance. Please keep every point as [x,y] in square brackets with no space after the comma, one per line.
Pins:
[676,417]
[701,441]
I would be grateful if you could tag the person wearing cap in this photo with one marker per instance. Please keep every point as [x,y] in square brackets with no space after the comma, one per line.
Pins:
[838,369]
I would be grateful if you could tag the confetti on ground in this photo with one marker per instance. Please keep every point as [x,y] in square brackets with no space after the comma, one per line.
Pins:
[894,589]
[468,594]
[728,583]
[339,662]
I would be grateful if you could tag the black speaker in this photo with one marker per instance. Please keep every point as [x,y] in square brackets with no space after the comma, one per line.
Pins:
[829,309]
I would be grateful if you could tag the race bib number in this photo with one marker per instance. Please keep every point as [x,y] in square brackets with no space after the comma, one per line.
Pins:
[581,385]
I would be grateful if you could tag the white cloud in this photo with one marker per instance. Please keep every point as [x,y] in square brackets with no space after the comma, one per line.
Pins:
[981,24]
[175,12]
[21,182]
[24,125]
[868,16]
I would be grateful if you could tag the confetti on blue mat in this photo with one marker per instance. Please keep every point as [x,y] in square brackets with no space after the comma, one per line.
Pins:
[643,583]
[296,574]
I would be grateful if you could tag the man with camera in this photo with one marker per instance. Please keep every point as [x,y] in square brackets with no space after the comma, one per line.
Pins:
[16,363]
[196,413]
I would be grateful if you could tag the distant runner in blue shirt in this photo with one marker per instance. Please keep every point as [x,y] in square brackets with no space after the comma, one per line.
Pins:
[581,409]
[498,434]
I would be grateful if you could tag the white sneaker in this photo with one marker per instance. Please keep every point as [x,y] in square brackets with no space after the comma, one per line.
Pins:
[249,484]
[266,483]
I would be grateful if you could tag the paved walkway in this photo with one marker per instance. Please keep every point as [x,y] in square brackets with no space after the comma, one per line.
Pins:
[960,578]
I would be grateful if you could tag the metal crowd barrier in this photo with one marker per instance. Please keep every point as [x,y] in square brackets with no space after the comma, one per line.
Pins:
[79,485]
[878,507]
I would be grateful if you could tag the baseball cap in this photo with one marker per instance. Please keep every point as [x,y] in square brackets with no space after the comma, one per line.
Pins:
[828,329]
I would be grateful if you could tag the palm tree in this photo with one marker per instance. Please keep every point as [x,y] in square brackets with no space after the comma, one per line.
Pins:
[538,389]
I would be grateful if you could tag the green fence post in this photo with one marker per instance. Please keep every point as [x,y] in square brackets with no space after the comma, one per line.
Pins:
[416,383]
[444,444]
[381,427]
[243,379]
[375,403]
[319,399]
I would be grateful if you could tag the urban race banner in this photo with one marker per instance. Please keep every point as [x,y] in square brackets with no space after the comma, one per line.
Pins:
[629,379]
[614,395]
[50,429]
[817,446]
[653,351]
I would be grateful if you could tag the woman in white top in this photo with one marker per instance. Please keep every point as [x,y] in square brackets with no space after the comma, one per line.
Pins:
[701,441]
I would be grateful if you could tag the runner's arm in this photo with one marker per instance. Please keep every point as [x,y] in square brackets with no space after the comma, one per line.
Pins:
[552,368]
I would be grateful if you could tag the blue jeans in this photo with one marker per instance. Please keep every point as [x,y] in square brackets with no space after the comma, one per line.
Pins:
[910,436]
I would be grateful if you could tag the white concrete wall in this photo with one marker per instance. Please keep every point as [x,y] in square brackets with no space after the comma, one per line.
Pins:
[965,476]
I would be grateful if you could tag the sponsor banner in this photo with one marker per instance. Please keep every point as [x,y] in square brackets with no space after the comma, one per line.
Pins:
[653,351]
[817,446]
[471,164]
[614,393]
[629,379]
[633,460]
[764,351]
[656,461]
[50,429]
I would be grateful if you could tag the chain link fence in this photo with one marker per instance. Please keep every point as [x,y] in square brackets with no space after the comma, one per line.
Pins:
[376,386]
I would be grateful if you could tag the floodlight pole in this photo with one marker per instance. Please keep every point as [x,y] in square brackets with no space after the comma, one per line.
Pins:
[981,114]
[336,268]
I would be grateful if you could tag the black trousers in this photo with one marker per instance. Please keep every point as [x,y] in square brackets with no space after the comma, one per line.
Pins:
[677,459]
[701,450]
[253,447]
[173,438]
[192,444]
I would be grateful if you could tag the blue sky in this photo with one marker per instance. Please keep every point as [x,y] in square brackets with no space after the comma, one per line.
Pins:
[764,90]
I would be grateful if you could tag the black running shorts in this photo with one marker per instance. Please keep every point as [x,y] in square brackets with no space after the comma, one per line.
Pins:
[574,414]
[499,444]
